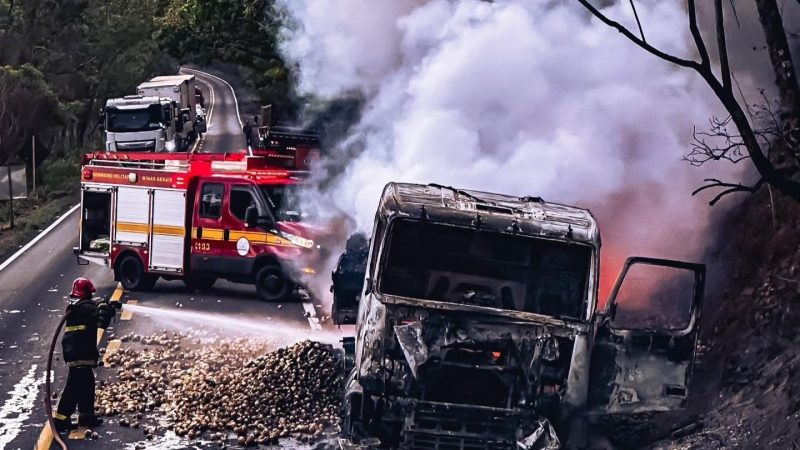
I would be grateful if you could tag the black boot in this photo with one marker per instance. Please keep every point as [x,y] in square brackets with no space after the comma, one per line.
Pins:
[89,421]
[64,425]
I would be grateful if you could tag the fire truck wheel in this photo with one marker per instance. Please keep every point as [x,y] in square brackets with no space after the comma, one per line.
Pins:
[199,283]
[131,274]
[272,285]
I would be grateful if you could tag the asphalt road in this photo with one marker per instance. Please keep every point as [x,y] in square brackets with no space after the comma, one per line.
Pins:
[224,125]
[35,285]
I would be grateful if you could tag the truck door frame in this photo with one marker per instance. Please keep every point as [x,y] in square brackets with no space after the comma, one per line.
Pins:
[641,370]
[207,237]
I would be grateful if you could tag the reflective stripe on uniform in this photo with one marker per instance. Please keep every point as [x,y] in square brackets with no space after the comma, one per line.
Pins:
[60,416]
[82,362]
[74,328]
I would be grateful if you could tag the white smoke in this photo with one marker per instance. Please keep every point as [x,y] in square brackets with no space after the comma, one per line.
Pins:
[516,97]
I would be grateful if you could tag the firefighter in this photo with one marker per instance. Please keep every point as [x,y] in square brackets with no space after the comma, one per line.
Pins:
[79,349]
[248,132]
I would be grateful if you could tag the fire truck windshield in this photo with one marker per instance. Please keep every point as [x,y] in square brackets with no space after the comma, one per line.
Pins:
[138,119]
[284,200]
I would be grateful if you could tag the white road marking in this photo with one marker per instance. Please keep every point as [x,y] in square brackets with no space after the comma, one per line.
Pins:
[38,238]
[235,100]
[313,320]
[17,409]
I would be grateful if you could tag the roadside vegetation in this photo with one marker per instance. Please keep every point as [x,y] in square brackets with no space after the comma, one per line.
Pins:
[60,61]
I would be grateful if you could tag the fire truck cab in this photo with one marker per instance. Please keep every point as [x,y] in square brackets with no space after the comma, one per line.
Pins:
[196,217]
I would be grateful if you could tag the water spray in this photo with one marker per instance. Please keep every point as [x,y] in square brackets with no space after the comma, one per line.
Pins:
[288,333]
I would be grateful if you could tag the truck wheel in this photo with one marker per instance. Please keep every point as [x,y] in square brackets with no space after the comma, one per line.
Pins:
[131,274]
[272,285]
[199,283]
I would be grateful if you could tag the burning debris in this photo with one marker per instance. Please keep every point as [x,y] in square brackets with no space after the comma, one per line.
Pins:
[216,390]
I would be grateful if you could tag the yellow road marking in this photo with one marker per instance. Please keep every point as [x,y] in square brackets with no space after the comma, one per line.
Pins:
[126,315]
[46,436]
[78,433]
[111,348]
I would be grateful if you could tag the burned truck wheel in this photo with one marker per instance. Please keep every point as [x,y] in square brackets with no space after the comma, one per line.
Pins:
[271,284]
[131,274]
[198,283]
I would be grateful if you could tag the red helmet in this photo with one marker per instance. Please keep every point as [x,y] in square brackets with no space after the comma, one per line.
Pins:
[82,288]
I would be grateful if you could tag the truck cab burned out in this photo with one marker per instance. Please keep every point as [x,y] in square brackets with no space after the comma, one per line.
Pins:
[477,326]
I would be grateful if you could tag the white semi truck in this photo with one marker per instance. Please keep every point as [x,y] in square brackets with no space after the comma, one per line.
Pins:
[180,89]
[140,124]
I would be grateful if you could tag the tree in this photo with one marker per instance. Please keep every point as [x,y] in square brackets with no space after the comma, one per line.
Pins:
[27,105]
[771,141]
[243,32]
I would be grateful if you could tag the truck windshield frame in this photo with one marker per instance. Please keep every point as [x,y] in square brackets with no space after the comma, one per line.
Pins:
[284,201]
[147,118]
[458,265]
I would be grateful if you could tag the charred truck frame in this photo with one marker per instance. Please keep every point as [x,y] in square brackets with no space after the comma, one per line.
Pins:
[477,326]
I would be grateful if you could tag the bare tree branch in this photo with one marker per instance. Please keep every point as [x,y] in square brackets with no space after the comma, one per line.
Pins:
[638,22]
[628,34]
[724,68]
[730,188]
[756,142]
[736,14]
[705,60]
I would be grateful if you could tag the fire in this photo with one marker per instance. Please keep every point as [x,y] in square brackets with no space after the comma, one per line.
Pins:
[611,262]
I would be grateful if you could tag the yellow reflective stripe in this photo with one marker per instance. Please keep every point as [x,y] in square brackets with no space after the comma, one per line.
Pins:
[130,227]
[170,230]
[213,234]
[252,236]
[255,237]
[74,328]
[82,362]
[60,416]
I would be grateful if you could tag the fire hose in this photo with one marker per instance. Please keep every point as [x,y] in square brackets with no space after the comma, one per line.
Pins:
[48,396]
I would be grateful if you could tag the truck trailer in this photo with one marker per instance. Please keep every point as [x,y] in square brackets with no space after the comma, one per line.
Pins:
[478,327]
[181,90]
[197,218]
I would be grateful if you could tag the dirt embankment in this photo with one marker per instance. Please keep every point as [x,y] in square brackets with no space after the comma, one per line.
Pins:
[747,389]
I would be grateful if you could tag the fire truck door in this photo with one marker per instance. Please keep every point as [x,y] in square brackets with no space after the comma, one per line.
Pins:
[207,229]
[169,230]
[239,246]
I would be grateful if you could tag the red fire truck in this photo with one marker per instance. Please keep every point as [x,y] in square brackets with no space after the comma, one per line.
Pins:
[195,217]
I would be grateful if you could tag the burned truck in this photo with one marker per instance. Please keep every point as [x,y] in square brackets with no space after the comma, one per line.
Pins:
[478,327]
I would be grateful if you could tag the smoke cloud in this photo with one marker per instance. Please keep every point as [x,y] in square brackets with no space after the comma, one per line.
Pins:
[515,97]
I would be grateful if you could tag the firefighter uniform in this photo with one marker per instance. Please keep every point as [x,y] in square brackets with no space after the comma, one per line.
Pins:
[79,348]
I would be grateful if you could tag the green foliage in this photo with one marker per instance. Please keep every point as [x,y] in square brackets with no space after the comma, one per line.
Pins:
[27,104]
[243,32]
[88,50]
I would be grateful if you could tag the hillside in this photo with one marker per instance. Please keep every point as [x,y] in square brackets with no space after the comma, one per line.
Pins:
[747,389]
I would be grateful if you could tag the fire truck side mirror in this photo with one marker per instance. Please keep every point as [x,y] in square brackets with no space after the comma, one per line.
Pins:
[251,216]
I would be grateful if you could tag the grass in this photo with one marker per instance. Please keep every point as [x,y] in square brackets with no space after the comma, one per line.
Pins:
[58,187]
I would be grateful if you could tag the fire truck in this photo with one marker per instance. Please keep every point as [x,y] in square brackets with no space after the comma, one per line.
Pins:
[197,218]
